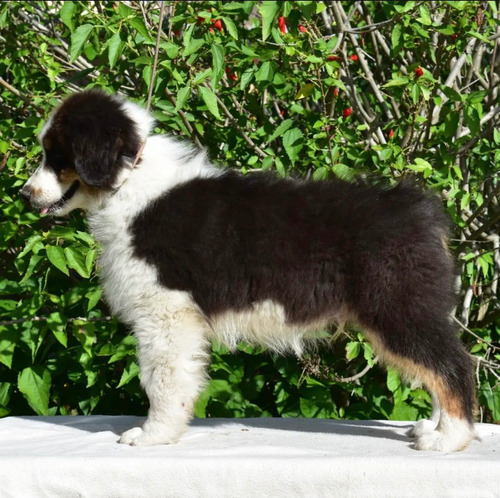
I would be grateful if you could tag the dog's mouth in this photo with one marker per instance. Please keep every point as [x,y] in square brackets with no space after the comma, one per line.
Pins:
[63,200]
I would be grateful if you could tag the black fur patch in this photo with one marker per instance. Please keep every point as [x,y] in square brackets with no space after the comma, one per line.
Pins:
[314,247]
[311,246]
[91,133]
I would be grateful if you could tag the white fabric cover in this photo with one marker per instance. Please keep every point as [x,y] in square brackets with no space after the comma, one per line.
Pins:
[80,457]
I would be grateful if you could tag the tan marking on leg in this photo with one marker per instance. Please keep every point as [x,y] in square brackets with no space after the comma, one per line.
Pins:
[448,402]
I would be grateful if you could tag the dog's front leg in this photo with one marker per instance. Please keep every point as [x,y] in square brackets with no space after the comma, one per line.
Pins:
[173,371]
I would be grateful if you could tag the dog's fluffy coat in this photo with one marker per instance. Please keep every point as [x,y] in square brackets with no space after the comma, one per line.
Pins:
[191,253]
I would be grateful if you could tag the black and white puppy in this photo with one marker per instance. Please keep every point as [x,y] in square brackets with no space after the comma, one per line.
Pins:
[191,253]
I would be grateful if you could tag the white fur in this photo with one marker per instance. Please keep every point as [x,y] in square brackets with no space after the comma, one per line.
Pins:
[451,434]
[427,425]
[263,324]
[171,330]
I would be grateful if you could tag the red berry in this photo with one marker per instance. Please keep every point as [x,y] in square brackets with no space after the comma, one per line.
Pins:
[354,57]
[418,72]
[302,29]
[391,133]
[217,24]
[200,20]
[232,76]
[334,58]
[282,24]
[336,92]
[347,112]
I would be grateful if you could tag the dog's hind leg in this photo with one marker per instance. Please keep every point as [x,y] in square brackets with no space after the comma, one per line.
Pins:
[173,359]
[445,369]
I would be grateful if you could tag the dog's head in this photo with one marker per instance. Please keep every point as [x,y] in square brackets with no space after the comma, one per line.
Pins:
[89,143]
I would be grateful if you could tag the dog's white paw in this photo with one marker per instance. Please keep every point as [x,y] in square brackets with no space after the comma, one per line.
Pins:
[138,436]
[422,427]
[128,437]
[444,441]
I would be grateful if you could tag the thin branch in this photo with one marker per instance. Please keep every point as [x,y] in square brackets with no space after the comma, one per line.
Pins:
[157,49]
[480,339]
[358,375]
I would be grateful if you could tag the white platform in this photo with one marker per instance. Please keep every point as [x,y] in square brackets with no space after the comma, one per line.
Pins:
[80,457]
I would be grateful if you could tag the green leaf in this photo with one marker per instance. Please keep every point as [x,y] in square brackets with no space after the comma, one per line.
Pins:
[393,380]
[265,72]
[368,353]
[268,11]
[34,382]
[76,261]
[305,91]
[182,97]
[397,38]
[201,76]
[115,48]
[78,39]
[231,27]
[352,350]
[284,125]
[193,46]
[5,390]
[458,171]
[34,261]
[67,13]
[218,64]
[171,49]
[477,97]
[90,260]
[130,372]
[55,254]
[31,245]
[293,141]
[8,342]
[415,92]
[452,94]
[425,17]
[138,24]
[93,297]
[57,324]
[396,82]
[124,10]
[472,119]
[210,100]
[484,264]
[496,136]
[84,237]
[405,8]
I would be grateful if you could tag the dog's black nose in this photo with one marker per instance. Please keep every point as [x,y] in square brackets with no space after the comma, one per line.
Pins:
[25,193]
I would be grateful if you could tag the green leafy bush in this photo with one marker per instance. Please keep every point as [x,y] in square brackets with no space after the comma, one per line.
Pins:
[316,89]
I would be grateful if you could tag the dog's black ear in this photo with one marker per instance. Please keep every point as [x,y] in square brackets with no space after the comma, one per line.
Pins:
[100,135]
[96,156]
